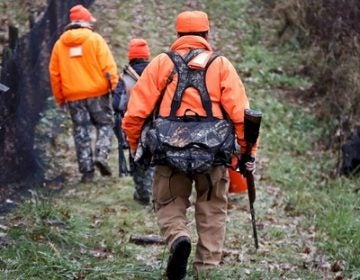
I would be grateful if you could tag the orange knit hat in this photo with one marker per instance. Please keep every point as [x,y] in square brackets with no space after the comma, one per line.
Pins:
[80,13]
[138,48]
[192,21]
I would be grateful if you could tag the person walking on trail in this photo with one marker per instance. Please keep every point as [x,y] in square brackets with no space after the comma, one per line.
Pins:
[138,55]
[79,65]
[172,188]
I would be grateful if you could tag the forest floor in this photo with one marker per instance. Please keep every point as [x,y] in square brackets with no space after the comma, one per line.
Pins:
[104,210]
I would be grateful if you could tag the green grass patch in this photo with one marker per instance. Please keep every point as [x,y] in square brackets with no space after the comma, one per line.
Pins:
[84,232]
[51,239]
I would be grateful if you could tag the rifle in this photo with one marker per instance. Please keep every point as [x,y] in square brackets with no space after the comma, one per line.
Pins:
[123,169]
[252,120]
[131,72]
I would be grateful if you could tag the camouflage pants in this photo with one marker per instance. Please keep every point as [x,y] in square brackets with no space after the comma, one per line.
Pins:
[143,179]
[141,175]
[85,114]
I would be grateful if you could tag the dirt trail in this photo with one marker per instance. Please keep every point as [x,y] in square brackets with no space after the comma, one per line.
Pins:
[286,247]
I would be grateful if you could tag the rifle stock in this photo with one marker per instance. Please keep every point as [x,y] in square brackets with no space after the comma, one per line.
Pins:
[252,120]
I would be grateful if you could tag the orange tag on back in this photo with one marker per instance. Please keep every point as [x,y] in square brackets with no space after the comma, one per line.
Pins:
[200,61]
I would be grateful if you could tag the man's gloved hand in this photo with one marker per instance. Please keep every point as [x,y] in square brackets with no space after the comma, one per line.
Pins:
[251,165]
[247,164]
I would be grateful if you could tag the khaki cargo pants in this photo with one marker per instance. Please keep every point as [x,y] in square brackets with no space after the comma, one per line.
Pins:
[171,193]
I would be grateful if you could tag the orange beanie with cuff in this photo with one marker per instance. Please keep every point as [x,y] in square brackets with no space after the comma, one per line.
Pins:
[192,21]
[138,48]
[80,13]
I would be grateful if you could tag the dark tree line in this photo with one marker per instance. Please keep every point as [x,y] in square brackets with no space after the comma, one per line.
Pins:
[25,71]
[330,31]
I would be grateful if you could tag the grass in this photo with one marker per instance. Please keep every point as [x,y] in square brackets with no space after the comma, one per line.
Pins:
[339,219]
[291,135]
[308,220]
[68,239]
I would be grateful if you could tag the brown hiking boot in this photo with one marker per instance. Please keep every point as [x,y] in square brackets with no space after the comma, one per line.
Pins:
[103,167]
[179,254]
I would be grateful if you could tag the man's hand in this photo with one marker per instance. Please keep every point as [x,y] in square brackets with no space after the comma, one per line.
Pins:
[250,165]
[247,164]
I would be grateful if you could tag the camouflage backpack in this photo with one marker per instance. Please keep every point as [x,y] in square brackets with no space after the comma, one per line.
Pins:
[191,143]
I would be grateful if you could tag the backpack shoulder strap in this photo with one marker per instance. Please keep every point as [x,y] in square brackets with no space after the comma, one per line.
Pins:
[158,102]
[190,77]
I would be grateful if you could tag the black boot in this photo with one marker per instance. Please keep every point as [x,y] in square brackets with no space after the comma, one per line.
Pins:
[87,177]
[141,200]
[103,167]
[179,254]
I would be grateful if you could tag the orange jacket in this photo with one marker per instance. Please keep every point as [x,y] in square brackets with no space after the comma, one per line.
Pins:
[79,62]
[223,83]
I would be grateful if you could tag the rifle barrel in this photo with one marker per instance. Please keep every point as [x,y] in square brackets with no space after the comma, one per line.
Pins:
[252,120]
[252,197]
[253,221]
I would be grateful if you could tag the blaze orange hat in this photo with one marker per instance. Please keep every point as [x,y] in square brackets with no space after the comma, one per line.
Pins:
[80,13]
[192,21]
[138,48]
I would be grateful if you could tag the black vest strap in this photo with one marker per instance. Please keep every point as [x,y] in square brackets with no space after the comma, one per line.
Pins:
[188,77]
